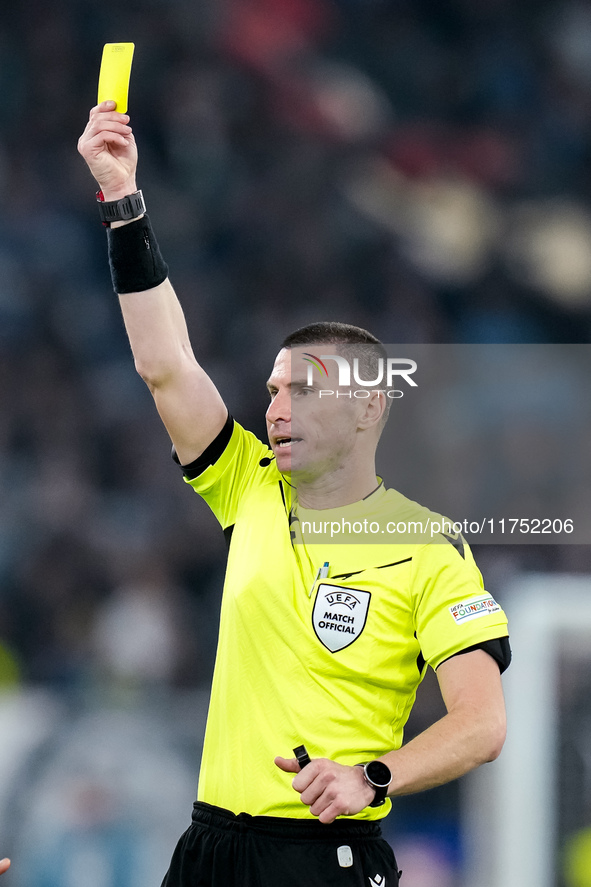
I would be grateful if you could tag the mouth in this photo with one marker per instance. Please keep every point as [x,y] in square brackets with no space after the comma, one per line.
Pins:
[283,442]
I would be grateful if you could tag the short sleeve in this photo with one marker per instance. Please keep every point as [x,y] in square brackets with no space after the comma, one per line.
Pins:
[452,609]
[245,462]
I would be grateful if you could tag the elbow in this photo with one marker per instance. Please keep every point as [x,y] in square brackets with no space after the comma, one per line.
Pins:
[494,740]
[151,375]
[159,368]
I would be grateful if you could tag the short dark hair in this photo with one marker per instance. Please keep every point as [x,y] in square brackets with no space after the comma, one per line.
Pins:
[330,332]
[353,342]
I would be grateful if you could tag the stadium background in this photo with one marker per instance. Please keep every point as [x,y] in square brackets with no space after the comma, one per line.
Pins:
[420,168]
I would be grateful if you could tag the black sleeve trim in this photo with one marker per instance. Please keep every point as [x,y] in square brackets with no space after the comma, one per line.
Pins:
[210,454]
[498,648]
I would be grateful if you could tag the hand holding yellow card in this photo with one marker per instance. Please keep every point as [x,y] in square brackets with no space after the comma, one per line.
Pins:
[115,73]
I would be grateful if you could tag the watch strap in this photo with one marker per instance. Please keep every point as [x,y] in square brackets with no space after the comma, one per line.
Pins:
[129,207]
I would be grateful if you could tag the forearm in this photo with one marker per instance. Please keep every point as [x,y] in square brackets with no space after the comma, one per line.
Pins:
[152,314]
[187,400]
[461,741]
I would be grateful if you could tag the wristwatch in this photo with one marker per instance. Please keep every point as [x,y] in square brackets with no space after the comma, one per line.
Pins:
[120,210]
[378,776]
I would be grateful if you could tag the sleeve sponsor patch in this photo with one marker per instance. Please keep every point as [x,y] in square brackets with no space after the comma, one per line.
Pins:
[474,608]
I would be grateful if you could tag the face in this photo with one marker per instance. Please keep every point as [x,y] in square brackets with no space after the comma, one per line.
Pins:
[310,433]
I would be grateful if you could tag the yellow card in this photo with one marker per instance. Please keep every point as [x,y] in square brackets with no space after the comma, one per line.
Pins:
[115,73]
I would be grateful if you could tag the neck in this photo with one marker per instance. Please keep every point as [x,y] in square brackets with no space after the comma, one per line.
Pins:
[335,489]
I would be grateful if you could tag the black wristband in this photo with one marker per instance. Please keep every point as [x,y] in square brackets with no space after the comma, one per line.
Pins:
[134,257]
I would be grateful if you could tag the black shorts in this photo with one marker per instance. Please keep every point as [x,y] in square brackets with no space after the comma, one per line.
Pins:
[220,849]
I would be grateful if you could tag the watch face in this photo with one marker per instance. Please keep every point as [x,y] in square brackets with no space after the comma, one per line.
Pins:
[378,774]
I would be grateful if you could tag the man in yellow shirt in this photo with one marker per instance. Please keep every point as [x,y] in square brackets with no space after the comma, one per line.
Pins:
[322,642]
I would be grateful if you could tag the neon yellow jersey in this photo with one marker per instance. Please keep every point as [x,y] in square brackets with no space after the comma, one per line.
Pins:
[331,661]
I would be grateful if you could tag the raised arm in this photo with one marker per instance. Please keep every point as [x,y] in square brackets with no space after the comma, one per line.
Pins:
[187,400]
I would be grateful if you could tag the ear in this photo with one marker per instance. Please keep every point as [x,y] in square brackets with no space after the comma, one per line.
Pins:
[372,411]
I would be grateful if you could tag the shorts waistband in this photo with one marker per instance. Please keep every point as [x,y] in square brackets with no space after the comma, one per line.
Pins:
[283,827]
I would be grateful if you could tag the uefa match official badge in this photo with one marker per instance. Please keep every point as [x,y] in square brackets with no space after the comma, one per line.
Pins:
[339,615]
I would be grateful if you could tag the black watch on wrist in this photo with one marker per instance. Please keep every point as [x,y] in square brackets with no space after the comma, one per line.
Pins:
[120,210]
[378,776]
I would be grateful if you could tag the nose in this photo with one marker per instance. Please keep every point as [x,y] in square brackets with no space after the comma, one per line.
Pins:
[279,410]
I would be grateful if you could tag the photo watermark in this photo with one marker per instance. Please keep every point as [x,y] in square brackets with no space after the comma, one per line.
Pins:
[492,447]
[388,369]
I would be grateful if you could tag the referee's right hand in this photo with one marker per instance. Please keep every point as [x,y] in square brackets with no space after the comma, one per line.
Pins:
[328,788]
[108,147]
[4,865]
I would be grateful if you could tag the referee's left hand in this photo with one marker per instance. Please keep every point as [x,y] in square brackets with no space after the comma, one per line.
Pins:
[329,789]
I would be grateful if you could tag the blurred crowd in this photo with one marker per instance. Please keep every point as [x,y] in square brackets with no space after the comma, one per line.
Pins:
[419,168]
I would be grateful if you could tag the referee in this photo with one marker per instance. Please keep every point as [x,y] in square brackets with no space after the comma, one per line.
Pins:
[321,643]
